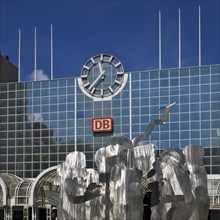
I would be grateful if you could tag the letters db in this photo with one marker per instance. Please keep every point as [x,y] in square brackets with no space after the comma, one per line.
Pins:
[102,125]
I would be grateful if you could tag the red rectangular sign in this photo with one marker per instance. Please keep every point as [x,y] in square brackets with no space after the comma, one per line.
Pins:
[102,124]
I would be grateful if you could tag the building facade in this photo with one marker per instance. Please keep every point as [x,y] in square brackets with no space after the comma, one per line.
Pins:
[8,71]
[42,121]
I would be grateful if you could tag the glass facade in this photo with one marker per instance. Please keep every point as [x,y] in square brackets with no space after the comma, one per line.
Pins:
[42,121]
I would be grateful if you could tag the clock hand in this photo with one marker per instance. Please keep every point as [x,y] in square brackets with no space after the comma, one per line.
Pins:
[101,76]
[101,69]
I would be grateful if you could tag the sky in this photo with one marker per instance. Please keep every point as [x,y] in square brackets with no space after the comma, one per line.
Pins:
[127,30]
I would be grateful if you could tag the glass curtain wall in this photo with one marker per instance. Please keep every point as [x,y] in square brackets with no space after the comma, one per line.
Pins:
[42,121]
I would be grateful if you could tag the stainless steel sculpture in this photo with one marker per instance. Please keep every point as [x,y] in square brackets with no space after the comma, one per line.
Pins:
[120,168]
[177,180]
[78,188]
[180,185]
[198,177]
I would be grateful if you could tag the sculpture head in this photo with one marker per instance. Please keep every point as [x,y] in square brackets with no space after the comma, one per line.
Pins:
[173,156]
[119,150]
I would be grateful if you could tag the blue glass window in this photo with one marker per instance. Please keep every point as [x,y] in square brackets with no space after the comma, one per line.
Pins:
[195,125]
[194,116]
[215,69]
[205,88]
[194,80]
[205,80]
[205,133]
[184,134]
[164,74]
[205,115]
[144,84]
[144,102]
[194,89]
[174,73]
[135,111]
[70,90]
[62,91]
[62,82]
[70,98]
[62,99]
[70,82]
[144,75]
[174,82]
[154,75]
[53,83]
[175,135]
[36,85]
[184,108]
[36,93]
[215,115]
[215,97]
[194,98]
[164,135]
[135,119]
[215,88]
[62,107]
[53,108]
[62,124]
[194,71]
[194,107]
[215,78]
[125,111]
[184,72]
[164,101]
[184,117]
[164,82]
[125,120]
[53,92]
[215,124]
[45,84]
[184,81]
[154,83]
[215,105]
[53,100]
[70,123]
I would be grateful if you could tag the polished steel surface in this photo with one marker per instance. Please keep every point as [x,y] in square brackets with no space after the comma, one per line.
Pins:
[177,180]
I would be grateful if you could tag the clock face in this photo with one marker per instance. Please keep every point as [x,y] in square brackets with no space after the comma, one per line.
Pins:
[102,77]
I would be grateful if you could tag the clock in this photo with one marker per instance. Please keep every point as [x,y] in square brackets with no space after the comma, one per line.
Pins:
[102,77]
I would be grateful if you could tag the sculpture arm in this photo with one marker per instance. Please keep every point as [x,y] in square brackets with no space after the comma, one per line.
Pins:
[151,125]
[71,189]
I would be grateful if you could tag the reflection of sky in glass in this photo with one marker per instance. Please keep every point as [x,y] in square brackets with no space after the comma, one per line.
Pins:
[49,109]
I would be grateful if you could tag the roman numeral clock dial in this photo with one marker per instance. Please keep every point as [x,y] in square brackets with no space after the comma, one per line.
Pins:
[102,77]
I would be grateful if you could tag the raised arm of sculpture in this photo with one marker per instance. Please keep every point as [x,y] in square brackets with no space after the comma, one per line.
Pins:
[151,125]
[72,187]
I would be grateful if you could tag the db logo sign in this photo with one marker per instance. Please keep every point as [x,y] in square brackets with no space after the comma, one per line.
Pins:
[102,125]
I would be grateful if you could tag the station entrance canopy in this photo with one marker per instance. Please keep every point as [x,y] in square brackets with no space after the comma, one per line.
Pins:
[27,198]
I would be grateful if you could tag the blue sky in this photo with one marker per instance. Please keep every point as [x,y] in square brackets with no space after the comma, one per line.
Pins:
[125,29]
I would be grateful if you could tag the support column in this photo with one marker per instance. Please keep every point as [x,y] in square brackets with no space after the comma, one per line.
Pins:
[34,214]
[48,212]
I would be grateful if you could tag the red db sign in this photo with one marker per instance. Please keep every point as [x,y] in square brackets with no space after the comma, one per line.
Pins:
[102,124]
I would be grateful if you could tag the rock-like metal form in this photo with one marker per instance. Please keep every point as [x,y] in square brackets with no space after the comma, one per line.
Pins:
[176,197]
[177,179]
[180,185]
[78,186]
[198,177]
[120,176]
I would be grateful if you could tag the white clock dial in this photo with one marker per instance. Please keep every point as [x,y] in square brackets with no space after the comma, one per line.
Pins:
[102,77]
